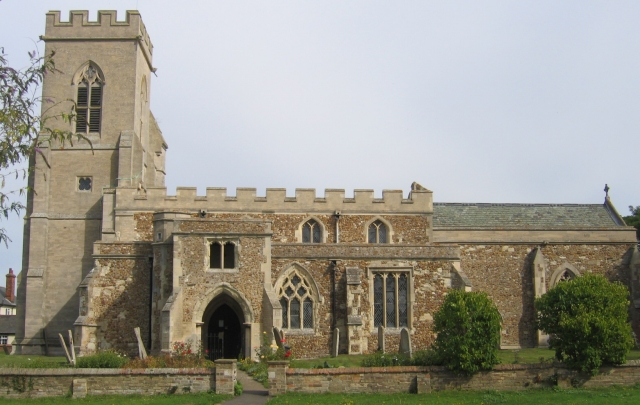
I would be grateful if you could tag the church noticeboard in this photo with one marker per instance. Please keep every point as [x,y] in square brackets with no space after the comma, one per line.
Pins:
[353,276]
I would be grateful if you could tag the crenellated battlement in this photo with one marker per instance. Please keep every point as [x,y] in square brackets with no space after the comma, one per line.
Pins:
[107,27]
[276,200]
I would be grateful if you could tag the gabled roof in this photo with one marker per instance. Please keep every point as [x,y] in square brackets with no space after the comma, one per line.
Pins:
[3,298]
[8,324]
[478,215]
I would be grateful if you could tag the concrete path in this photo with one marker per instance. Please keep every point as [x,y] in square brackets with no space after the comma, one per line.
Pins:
[253,393]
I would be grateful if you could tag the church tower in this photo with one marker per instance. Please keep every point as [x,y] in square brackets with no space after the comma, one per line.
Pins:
[105,69]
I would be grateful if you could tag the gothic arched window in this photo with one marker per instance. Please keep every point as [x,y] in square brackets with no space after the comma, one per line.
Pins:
[296,298]
[377,232]
[89,100]
[311,232]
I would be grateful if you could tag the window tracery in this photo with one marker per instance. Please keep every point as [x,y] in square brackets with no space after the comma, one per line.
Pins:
[391,300]
[311,232]
[296,298]
[89,100]
[377,232]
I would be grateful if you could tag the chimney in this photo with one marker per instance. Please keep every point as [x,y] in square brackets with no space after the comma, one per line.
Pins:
[11,286]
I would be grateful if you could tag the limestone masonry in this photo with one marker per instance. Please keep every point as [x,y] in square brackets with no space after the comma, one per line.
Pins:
[107,250]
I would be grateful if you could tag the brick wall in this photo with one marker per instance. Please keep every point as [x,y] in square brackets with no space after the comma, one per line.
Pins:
[426,379]
[33,383]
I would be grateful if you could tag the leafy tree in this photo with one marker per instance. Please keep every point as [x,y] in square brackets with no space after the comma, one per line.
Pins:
[634,219]
[468,328]
[586,319]
[23,130]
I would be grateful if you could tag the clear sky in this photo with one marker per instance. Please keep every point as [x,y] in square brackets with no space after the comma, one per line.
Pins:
[479,101]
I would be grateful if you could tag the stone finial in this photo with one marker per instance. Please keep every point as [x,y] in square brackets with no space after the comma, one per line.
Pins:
[606,191]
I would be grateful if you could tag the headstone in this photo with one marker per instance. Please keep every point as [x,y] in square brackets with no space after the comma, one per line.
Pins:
[381,347]
[336,343]
[141,351]
[405,342]
[72,348]
[278,337]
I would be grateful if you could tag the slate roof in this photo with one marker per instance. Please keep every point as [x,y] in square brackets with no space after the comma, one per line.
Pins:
[8,324]
[478,215]
[3,298]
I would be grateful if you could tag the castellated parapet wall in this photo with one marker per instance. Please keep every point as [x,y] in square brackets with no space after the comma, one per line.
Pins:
[276,200]
[107,27]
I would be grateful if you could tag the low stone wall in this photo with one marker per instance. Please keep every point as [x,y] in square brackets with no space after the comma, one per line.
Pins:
[426,379]
[33,383]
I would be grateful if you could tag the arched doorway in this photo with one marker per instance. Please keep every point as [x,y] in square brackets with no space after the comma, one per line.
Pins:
[224,335]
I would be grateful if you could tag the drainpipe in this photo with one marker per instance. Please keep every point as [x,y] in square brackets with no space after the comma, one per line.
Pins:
[333,295]
[336,215]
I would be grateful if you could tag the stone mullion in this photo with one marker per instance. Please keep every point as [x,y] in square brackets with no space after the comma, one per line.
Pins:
[397,301]
[384,299]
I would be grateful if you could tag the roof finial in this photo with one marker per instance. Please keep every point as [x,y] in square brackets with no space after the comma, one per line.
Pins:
[606,191]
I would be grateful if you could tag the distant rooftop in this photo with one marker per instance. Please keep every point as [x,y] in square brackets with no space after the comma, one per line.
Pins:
[8,324]
[478,215]
[3,298]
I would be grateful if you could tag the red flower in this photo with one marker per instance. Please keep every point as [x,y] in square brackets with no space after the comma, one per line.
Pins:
[287,354]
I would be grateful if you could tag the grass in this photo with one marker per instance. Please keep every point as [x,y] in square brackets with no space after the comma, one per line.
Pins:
[190,399]
[29,361]
[617,395]
[522,356]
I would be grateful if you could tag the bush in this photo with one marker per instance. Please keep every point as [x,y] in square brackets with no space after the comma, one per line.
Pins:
[586,319]
[385,360]
[183,355]
[468,328]
[103,359]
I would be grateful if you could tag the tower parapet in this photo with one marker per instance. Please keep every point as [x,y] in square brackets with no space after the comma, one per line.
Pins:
[106,28]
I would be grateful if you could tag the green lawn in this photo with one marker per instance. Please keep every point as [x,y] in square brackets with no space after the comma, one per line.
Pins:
[187,399]
[8,361]
[617,395]
[522,356]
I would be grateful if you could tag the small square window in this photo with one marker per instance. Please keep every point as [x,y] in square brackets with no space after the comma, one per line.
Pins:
[85,183]
[4,339]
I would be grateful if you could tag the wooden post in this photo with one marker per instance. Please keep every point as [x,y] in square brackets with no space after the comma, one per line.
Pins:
[64,345]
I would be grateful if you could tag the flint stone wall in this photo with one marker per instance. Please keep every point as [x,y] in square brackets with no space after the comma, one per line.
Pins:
[35,383]
[505,377]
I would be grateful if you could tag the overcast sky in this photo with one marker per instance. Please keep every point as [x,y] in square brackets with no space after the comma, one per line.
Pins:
[479,101]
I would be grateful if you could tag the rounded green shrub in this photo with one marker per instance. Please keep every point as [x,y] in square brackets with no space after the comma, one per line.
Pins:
[103,359]
[587,320]
[468,328]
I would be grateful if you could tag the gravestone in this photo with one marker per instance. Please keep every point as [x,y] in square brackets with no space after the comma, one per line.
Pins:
[279,337]
[141,350]
[381,347]
[405,342]
[336,343]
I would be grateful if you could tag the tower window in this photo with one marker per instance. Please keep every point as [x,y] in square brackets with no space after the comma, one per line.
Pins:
[222,255]
[377,232]
[85,183]
[89,101]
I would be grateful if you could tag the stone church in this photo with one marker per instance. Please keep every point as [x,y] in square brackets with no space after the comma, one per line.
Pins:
[106,249]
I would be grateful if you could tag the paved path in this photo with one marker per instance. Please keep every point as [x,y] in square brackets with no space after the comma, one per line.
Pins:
[253,394]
